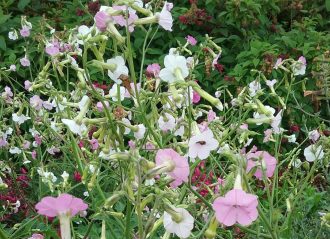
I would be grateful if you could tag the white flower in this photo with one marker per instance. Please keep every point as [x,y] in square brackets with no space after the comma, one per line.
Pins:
[166,122]
[292,138]
[12,35]
[271,83]
[83,102]
[127,122]
[299,67]
[83,33]
[179,131]
[254,88]
[175,69]
[183,228]
[149,182]
[312,152]
[15,150]
[296,163]
[202,144]
[141,131]
[121,68]
[74,127]
[20,119]
[113,93]
[65,176]
[276,121]
[256,115]
[165,19]
[86,194]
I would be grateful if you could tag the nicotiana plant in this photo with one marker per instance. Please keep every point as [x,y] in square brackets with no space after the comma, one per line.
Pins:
[152,154]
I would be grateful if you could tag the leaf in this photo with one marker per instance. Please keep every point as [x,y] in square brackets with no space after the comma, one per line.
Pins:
[327,5]
[22,4]
[3,43]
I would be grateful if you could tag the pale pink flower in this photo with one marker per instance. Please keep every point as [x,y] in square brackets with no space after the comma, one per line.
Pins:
[36,236]
[25,31]
[101,19]
[276,121]
[165,19]
[169,6]
[100,107]
[37,139]
[271,83]
[236,206]
[27,85]
[131,144]
[94,144]
[26,144]
[3,142]
[314,135]
[7,95]
[63,204]
[34,154]
[36,102]
[153,70]
[215,59]
[52,49]
[202,144]
[177,165]
[166,122]
[278,63]
[211,115]
[122,21]
[299,67]
[191,40]
[268,134]
[149,146]
[264,163]
[25,61]
[47,105]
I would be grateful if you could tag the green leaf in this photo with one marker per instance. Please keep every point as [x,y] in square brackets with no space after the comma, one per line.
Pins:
[327,5]
[3,43]
[22,4]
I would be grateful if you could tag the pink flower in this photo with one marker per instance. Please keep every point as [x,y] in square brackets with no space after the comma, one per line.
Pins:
[25,31]
[36,102]
[268,134]
[27,85]
[3,142]
[101,19]
[196,97]
[63,204]
[94,144]
[36,236]
[211,115]
[202,144]
[52,49]
[177,166]
[153,70]
[236,206]
[122,21]
[100,107]
[34,154]
[261,159]
[166,122]
[165,19]
[191,40]
[314,135]
[25,61]
[131,144]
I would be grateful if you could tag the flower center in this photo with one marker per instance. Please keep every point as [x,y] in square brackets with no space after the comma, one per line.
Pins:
[202,142]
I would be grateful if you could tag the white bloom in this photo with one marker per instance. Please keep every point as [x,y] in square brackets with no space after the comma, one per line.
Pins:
[149,182]
[121,68]
[165,19]
[113,93]
[74,127]
[127,122]
[299,67]
[179,131]
[83,33]
[292,138]
[65,176]
[20,119]
[256,115]
[202,144]
[296,163]
[141,131]
[166,122]
[254,88]
[83,102]
[312,152]
[86,194]
[271,83]
[15,150]
[276,121]
[175,69]
[183,228]
[12,35]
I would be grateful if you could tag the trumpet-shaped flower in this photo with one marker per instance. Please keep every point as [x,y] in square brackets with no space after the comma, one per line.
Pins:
[101,19]
[121,69]
[166,122]
[236,206]
[264,162]
[299,67]
[139,134]
[165,19]
[182,227]
[312,152]
[174,164]
[175,69]
[202,144]
[116,93]
[75,127]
